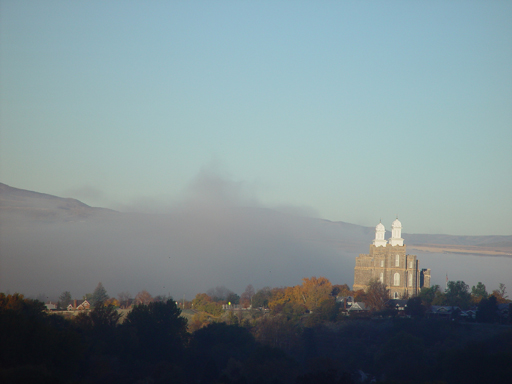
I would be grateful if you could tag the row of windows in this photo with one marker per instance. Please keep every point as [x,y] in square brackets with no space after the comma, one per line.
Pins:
[397,262]
[396,279]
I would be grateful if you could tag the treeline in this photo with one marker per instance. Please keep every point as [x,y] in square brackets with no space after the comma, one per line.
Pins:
[152,345]
[298,334]
[100,295]
[317,297]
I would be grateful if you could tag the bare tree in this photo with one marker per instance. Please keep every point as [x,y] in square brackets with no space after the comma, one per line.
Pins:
[246,297]
[125,299]
[377,295]
[219,293]
[143,297]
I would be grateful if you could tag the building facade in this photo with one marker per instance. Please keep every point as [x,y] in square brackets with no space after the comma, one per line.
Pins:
[389,263]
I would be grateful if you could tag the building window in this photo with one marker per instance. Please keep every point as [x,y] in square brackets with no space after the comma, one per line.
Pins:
[381,278]
[395,296]
[410,264]
[397,260]
[410,279]
[397,279]
[382,263]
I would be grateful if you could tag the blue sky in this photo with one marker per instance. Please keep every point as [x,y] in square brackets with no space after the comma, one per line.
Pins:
[351,110]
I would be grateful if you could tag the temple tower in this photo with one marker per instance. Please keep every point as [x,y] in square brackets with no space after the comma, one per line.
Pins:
[396,234]
[380,233]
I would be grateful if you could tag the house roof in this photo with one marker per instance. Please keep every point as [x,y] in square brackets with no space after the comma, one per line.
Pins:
[359,306]
[397,302]
[442,309]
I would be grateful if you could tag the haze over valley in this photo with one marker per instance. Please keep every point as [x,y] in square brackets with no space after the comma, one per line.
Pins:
[50,244]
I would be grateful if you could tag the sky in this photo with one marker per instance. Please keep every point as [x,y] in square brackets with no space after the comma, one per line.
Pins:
[350,111]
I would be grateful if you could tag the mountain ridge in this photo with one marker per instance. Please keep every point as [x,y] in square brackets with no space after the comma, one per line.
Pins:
[13,199]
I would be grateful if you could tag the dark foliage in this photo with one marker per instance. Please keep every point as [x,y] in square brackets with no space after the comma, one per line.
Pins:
[457,294]
[33,343]
[152,345]
[415,307]
[487,310]
[155,331]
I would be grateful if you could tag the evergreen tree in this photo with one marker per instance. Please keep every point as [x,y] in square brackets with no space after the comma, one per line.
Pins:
[65,299]
[478,292]
[99,295]
[160,332]
[487,310]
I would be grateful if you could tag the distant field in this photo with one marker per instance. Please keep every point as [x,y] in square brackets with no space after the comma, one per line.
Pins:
[463,249]
[187,313]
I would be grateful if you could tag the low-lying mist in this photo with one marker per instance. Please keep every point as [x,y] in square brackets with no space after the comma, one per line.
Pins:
[216,234]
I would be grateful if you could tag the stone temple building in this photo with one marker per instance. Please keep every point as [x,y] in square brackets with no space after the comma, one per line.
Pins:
[391,265]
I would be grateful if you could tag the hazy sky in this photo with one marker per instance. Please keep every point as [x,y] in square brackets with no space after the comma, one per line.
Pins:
[356,110]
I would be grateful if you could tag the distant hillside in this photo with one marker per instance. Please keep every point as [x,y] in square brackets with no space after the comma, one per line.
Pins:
[41,206]
[51,244]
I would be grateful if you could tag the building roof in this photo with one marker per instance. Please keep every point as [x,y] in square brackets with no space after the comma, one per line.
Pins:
[359,306]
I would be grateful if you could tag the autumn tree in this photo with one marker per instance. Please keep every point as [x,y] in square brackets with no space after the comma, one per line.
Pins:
[279,297]
[377,295]
[328,310]
[314,291]
[360,296]
[198,321]
[340,290]
[143,297]
[203,302]
[112,301]
[500,294]
[99,295]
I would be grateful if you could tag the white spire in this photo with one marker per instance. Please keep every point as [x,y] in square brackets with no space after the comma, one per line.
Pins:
[396,233]
[380,232]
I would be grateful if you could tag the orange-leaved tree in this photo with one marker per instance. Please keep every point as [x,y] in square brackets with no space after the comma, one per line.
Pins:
[314,290]
[203,302]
